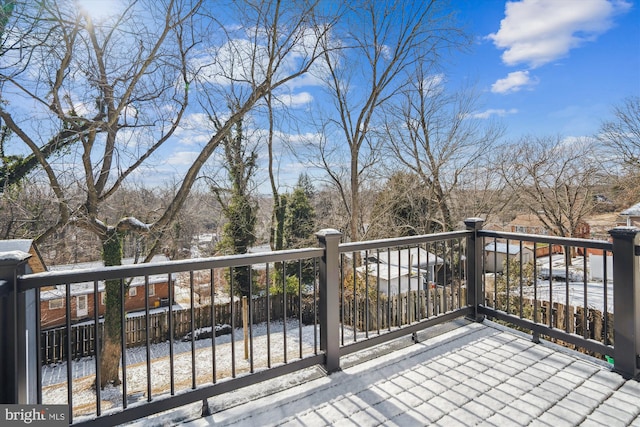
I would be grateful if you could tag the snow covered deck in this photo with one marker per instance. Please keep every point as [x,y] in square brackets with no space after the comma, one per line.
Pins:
[462,374]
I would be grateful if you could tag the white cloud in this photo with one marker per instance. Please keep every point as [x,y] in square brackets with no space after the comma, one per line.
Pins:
[295,99]
[247,60]
[433,84]
[195,129]
[500,112]
[182,158]
[513,82]
[536,32]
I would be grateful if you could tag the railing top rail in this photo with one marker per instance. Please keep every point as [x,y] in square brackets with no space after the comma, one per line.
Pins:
[555,240]
[401,241]
[49,278]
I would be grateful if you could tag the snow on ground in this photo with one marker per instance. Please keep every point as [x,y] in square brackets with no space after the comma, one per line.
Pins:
[84,397]
[571,292]
[595,291]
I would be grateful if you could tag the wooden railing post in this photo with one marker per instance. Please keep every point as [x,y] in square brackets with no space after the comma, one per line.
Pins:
[330,298]
[626,301]
[18,333]
[474,266]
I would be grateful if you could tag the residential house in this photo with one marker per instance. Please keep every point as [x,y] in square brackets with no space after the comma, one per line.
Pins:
[496,253]
[52,301]
[529,224]
[392,279]
[403,269]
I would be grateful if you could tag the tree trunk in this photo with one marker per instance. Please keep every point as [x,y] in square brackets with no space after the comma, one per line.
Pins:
[111,348]
[279,210]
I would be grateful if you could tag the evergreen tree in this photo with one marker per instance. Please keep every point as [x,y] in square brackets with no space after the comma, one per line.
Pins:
[299,222]
[299,227]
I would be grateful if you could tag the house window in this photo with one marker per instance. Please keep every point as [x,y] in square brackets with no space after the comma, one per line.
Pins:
[103,296]
[55,304]
[81,306]
[133,291]
[152,290]
[521,229]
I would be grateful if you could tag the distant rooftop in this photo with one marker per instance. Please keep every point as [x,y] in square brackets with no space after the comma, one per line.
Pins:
[632,211]
[501,248]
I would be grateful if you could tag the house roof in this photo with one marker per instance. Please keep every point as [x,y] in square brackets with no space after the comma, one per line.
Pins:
[501,248]
[36,263]
[385,271]
[414,254]
[632,211]
[59,291]
[527,220]
[16,245]
[99,264]
[471,374]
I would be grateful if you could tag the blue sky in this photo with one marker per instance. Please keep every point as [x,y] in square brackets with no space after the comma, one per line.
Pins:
[542,67]
[551,67]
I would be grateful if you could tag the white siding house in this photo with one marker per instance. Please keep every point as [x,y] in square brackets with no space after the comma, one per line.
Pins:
[496,253]
[419,258]
[401,270]
[391,278]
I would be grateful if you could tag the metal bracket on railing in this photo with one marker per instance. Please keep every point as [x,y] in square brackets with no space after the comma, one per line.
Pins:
[414,338]
[536,337]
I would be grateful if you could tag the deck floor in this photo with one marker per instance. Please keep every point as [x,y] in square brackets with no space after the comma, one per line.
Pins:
[472,374]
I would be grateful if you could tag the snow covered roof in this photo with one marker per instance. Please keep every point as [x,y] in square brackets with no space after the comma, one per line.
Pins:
[385,271]
[22,245]
[99,264]
[414,254]
[501,248]
[632,211]
[88,287]
[25,246]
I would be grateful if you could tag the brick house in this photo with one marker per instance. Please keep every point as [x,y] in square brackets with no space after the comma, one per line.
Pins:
[52,300]
[531,224]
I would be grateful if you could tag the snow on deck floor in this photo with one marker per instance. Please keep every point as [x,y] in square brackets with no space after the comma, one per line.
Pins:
[476,374]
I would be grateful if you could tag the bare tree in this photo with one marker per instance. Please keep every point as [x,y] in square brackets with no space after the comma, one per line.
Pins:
[554,179]
[435,135]
[622,135]
[236,200]
[380,43]
[101,84]
[401,208]
[123,85]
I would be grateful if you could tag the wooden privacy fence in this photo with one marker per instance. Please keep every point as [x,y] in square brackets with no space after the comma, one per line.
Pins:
[53,341]
[384,311]
[401,309]
[599,325]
